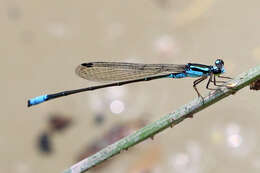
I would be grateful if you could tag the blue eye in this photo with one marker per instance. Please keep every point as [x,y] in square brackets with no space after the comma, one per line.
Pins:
[219,62]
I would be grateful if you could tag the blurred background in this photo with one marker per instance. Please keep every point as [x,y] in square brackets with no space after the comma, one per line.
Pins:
[42,42]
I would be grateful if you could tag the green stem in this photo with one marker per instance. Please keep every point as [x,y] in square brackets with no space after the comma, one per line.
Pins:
[169,120]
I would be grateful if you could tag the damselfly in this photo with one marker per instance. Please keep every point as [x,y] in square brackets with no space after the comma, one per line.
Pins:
[126,73]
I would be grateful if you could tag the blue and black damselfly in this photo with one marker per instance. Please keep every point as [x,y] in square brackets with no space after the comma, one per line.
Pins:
[126,73]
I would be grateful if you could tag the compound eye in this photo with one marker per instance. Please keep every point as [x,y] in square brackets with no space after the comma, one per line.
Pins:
[222,62]
[219,62]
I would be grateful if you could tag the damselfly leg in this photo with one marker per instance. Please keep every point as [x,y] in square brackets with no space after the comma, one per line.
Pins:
[196,82]
[212,79]
[215,81]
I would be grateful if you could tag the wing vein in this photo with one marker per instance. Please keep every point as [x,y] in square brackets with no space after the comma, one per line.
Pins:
[119,71]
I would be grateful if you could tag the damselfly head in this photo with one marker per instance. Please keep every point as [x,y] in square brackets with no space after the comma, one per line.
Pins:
[219,63]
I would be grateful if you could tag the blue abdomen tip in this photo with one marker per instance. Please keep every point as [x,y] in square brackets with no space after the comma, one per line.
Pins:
[37,100]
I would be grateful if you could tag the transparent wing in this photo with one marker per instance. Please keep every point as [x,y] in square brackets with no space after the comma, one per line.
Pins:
[119,71]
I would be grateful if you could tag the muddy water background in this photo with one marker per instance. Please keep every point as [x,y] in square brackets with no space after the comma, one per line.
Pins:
[43,41]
